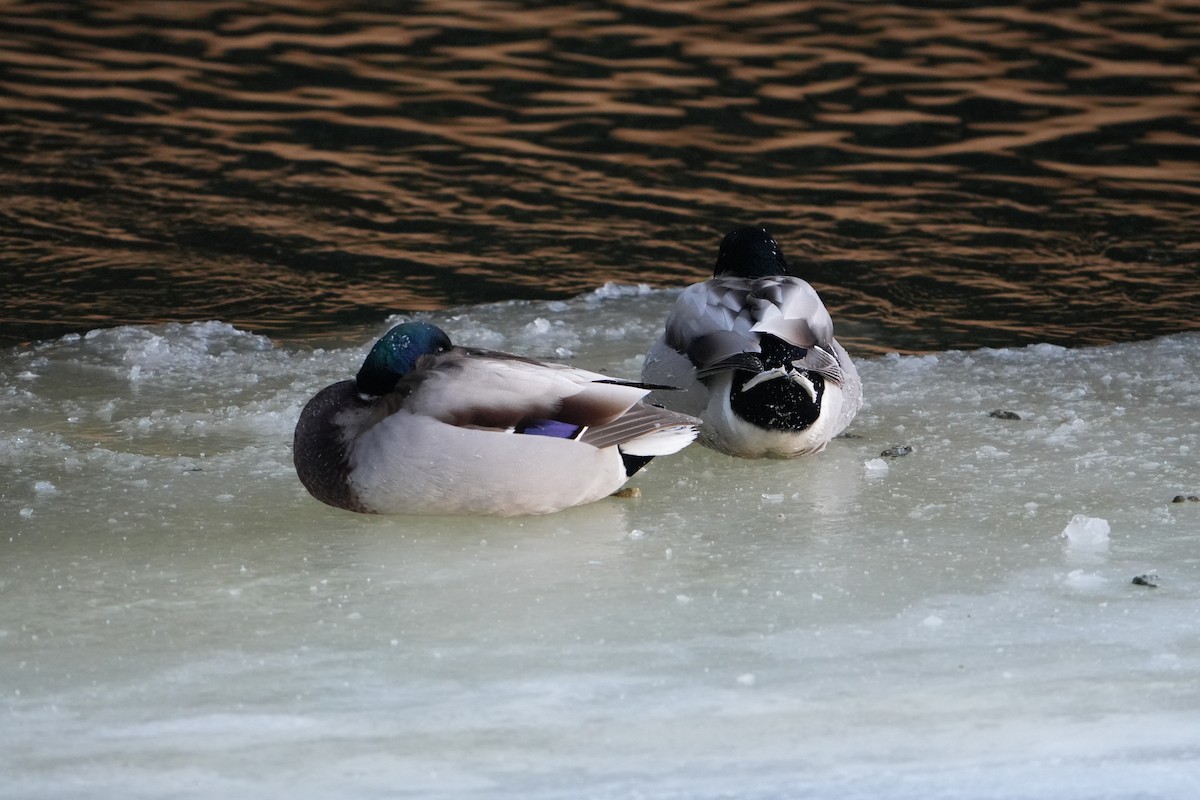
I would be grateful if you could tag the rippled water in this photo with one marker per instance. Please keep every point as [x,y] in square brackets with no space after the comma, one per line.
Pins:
[950,177]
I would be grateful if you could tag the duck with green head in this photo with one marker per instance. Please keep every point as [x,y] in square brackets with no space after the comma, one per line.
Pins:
[427,427]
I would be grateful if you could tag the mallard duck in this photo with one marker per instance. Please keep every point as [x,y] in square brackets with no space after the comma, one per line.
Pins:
[753,351]
[430,428]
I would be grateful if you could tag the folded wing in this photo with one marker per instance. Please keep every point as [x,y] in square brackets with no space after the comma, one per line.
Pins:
[481,389]
[718,324]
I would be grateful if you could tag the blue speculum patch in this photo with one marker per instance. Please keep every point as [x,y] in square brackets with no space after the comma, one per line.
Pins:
[550,427]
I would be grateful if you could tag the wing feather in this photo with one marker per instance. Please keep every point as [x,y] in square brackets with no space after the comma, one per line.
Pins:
[718,320]
[480,389]
[639,421]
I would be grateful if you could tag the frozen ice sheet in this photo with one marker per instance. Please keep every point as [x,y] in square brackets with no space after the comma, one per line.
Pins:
[182,620]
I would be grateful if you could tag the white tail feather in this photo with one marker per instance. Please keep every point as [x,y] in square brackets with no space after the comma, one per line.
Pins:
[662,442]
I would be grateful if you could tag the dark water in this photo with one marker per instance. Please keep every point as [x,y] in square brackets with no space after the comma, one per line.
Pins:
[976,174]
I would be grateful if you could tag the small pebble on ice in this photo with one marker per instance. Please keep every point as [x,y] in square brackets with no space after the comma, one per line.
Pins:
[1087,533]
[896,451]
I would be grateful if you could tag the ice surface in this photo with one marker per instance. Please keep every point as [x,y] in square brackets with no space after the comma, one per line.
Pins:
[182,620]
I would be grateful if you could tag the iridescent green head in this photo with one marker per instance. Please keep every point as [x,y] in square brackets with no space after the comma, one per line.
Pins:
[396,354]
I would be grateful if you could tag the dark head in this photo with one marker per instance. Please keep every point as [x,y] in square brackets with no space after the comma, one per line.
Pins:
[750,252]
[396,354]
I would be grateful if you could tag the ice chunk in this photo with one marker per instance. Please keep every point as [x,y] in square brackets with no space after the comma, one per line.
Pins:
[613,291]
[1087,533]
[876,466]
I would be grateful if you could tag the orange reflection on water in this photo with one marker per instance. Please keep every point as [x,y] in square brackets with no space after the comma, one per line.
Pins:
[945,175]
